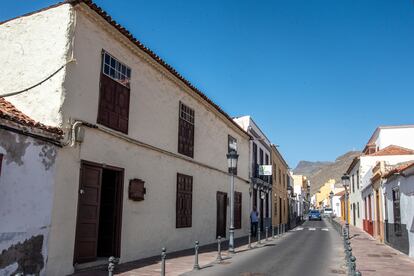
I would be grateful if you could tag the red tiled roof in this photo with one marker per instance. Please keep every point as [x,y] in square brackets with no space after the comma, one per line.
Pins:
[392,150]
[9,112]
[399,168]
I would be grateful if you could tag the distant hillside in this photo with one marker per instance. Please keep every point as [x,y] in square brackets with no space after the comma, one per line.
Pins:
[309,168]
[320,172]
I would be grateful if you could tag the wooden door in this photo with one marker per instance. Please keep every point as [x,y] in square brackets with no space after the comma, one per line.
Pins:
[221,214]
[87,227]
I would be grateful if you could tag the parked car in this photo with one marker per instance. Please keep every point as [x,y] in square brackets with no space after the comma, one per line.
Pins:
[315,215]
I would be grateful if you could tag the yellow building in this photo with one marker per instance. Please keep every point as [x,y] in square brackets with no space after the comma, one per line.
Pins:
[342,199]
[280,180]
[322,195]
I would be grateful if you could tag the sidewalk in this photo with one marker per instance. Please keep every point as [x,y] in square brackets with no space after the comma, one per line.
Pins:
[375,258]
[176,263]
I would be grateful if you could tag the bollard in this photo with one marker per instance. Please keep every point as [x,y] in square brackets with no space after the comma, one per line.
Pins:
[112,261]
[273,232]
[278,230]
[219,258]
[259,241]
[163,256]
[352,265]
[196,265]
[266,230]
[349,257]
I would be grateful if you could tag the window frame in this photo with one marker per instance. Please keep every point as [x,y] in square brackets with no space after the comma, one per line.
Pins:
[186,124]
[119,68]
[120,93]
[180,194]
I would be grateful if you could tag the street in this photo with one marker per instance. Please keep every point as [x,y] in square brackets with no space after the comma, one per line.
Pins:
[314,248]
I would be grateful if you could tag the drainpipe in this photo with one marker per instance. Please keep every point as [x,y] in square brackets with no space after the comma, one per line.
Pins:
[72,133]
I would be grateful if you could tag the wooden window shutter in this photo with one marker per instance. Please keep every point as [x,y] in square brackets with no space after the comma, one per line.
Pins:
[113,104]
[184,201]
[186,131]
[237,210]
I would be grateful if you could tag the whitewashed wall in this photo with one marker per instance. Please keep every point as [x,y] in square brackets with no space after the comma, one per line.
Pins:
[365,166]
[403,137]
[26,192]
[31,49]
[148,225]
[406,185]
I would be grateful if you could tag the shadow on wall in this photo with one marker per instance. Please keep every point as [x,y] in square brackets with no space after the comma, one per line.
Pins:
[26,255]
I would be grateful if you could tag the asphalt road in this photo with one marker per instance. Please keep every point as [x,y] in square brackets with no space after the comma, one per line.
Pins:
[312,249]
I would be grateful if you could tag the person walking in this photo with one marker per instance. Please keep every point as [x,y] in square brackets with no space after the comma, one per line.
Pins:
[254,220]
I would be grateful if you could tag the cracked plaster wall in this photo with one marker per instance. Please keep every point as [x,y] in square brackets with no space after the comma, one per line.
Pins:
[26,193]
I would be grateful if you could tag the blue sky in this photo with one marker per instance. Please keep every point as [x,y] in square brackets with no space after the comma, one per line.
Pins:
[317,76]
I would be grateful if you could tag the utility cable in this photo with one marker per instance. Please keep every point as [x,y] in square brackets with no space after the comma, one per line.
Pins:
[37,84]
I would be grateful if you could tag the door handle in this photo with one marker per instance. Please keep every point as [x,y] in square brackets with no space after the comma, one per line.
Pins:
[81,191]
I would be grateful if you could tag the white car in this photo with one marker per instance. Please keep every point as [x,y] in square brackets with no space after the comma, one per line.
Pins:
[327,212]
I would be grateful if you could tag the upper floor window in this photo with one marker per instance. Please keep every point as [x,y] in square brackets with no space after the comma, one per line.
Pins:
[114,94]
[353,183]
[115,69]
[357,178]
[255,169]
[186,131]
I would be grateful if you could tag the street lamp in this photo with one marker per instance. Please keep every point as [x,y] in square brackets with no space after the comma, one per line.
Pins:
[232,158]
[345,183]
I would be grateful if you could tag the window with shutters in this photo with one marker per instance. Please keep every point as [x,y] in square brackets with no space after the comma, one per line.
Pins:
[184,201]
[237,210]
[255,170]
[396,211]
[232,145]
[114,94]
[357,178]
[186,131]
[353,183]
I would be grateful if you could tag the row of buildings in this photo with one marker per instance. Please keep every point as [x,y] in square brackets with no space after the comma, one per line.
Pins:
[381,189]
[106,150]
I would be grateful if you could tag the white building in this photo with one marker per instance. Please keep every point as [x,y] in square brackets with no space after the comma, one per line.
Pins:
[27,166]
[385,136]
[387,143]
[143,161]
[260,154]
[398,189]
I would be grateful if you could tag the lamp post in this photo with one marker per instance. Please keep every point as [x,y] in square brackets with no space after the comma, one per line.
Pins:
[331,195]
[345,183]
[232,158]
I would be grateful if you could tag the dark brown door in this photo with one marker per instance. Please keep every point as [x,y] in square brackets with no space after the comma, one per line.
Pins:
[88,214]
[221,214]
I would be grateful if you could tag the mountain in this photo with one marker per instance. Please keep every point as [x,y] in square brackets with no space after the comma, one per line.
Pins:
[309,168]
[320,172]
